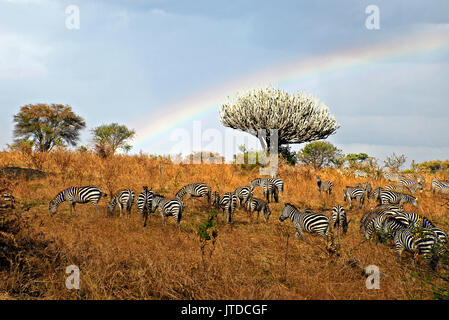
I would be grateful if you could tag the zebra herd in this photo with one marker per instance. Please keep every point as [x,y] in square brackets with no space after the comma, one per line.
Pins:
[408,231]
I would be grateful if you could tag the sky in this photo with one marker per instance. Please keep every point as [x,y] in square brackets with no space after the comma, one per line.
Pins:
[165,67]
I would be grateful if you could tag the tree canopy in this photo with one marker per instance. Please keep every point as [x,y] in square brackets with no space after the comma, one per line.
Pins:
[320,154]
[298,117]
[47,126]
[109,138]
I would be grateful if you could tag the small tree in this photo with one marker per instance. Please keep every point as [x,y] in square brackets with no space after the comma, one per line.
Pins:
[47,126]
[356,159]
[109,138]
[320,154]
[394,162]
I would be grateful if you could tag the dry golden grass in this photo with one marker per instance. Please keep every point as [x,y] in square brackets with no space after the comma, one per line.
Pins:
[119,259]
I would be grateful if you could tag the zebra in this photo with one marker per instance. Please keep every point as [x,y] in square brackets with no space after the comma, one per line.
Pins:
[339,218]
[366,186]
[124,198]
[360,173]
[381,209]
[392,197]
[351,193]
[306,221]
[168,208]
[411,185]
[405,239]
[269,189]
[391,176]
[228,203]
[76,195]
[244,193]
[256,204]
[438,186]
[376,224]
[324,185]
[393,187]
[7,201]
[279,183]
[194,190]
[144,203]
[411,219]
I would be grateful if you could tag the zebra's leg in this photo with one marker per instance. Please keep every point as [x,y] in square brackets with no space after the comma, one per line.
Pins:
[74,208]
[145,217]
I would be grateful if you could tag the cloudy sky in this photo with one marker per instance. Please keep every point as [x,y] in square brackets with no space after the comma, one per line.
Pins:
[135,62]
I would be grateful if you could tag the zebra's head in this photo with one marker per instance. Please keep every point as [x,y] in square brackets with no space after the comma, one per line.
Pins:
[266,212]
[286,211]
[53,207]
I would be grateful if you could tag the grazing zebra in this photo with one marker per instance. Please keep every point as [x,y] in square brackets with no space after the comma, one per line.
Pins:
[195,190]
[339,218]
[228,203]
[393,187]
[411,185]
[243,193]
[124,198]
[324,185]
[6,201]
[367,186]
[405,239]
[144,203]
[392,197]
[306,221]
[391,176]
[351,193]
[360,173]
[215,199]
[438,186]
[376,224]
[411,219]
[76,195]
[269,189]
[256,204]
[168,208]
[376,212]
[279,183]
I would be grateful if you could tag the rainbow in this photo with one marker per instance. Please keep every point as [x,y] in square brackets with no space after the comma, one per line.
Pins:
[209,100]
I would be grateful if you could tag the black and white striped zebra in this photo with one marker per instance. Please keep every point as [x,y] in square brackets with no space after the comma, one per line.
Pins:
[366,186]
[306,221]
[75,195]
[422,243]
[391,176]
[410,185]
[357,193]
[438,186]
[375,212]
[325,186]
[244,193]
[195,190]
[144,203]
[124,199]
[339,218]
[7,201]
[228,204]
[376,224]
[392,197]
[279,183]
[360,173]
[258,205]
[168,208]
[393,187]
[269,190]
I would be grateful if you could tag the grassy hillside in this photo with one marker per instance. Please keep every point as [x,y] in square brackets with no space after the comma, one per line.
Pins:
[119,259]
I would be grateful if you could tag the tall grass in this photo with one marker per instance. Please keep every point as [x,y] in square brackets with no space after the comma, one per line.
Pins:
[119,259]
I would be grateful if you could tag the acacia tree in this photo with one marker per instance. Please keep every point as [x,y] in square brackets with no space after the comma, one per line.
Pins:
[46,126]
[320,154]
[297,117]
[109,138]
